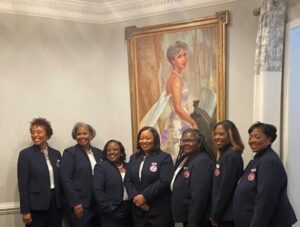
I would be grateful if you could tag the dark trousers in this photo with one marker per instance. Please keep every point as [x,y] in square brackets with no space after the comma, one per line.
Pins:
[89,218]
[162,220]
[49,218]
[226,224]
[121,217]
[201,224]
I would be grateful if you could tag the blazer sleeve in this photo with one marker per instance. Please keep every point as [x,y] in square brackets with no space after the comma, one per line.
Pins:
[162,184]
[100,173]
[232,163]
[269,177]
[67,169]
[130,188]
[200,192]
[23,179]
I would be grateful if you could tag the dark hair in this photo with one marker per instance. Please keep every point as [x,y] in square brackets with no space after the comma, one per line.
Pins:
[44,123]
[122,149]
[233,133]
[155,136]
[269,130]
[200,138]
[84,125]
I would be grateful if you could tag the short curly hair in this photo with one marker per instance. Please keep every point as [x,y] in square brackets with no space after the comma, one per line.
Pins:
[174,49]
[83,125]
[43,122]
[269,130]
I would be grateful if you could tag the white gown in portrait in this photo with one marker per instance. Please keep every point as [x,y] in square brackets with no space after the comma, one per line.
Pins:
[163,117]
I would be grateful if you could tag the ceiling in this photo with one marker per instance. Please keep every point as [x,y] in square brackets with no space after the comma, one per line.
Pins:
[100,11]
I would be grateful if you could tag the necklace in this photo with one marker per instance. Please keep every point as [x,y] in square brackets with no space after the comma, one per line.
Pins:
[177,73]
[120,166]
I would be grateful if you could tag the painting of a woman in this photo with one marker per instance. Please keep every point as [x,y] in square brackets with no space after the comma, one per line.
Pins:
[177,78]
[170,114]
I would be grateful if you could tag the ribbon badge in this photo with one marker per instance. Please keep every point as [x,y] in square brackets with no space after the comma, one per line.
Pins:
[217,170]
[186,172]
[251,176]
[153,167]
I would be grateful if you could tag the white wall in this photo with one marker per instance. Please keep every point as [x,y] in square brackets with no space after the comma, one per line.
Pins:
[71,71]
[291,144]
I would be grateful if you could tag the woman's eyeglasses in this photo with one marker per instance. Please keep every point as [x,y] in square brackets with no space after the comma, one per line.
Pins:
[187,142]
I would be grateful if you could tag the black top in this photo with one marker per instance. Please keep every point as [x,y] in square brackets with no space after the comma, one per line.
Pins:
[229,169]
[108,187]
[76,175]
[260,198]
[192,188]
[34,179]
[154,183]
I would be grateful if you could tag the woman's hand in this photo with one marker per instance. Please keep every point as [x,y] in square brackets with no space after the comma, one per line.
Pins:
[139,200]
[27,218]
[78,210]
[213,223]
[194,125]
[145,207]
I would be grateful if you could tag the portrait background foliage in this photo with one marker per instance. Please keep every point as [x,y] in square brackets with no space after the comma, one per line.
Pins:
[204,73]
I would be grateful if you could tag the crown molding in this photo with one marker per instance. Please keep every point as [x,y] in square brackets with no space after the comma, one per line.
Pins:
[102,12]
[9,208]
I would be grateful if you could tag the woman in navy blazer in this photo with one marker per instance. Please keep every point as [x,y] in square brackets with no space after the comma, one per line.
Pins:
[192,181]
[38,179]
[260,198]
[229,169]
[77,170]
[147,181]
[109,191]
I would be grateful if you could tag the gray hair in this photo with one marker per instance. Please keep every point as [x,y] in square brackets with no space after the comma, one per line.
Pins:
[174,49]
[83,125]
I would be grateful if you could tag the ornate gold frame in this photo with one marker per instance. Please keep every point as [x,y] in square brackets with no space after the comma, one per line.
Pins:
[133,34]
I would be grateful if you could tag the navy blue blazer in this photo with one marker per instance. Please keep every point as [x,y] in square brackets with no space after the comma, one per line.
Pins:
[76,175]
[191,195]
[260,198]
[154,184]
[34,179]
[229,169]
[108,187]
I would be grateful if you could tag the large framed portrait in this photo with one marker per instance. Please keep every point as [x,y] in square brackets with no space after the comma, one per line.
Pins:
[177,77]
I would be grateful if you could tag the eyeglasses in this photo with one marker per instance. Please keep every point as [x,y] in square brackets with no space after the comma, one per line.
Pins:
[187,142]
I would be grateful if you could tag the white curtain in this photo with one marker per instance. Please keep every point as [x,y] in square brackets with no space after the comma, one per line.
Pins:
[268,64]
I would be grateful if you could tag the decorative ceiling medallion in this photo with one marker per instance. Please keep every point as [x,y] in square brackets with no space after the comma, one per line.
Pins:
[102,12]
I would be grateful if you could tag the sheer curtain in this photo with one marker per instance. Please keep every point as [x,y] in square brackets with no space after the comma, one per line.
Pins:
[268,64]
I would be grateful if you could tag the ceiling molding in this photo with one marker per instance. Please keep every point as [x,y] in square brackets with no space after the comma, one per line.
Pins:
[101,12]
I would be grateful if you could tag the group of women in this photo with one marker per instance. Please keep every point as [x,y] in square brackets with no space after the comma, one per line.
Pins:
[204,188]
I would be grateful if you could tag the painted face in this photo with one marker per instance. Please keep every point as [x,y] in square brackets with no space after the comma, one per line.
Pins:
[221,137]
[146,140]
[179,61]
[38,135]
[113,152]
[188,143]
[258,140]
[83,136]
